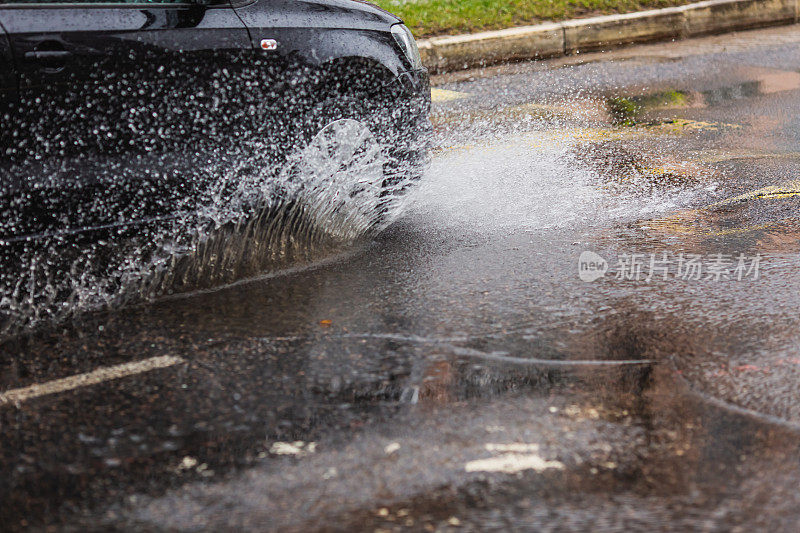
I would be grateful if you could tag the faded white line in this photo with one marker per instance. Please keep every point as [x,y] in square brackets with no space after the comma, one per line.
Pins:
[511,463]
[519,457]
[94,377]
[516,447]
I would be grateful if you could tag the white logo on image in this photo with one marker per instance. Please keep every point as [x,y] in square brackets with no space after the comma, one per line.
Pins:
[591,266]
[269,44]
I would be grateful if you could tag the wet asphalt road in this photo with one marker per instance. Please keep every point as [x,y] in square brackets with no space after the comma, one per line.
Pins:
[457,373]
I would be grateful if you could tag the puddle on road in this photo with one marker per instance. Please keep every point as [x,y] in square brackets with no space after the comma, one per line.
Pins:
[626,111]
[471,301]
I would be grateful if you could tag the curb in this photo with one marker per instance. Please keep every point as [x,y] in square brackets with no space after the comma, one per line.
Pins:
[447,54]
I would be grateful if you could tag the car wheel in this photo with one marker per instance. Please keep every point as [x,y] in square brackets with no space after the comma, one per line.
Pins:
[353,163]
[337,179]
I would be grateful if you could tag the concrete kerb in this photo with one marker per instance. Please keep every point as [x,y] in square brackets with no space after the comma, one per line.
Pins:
[446,54]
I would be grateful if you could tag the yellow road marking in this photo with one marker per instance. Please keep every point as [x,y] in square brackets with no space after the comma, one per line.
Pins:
[773,191]
[721,156]
[679,224]
[442,95]
[671,226]
[692,125]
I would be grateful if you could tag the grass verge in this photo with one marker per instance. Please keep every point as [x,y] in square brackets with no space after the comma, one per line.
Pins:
[427,18]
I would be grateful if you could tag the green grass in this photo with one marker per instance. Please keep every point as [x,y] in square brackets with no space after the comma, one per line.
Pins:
[448,17]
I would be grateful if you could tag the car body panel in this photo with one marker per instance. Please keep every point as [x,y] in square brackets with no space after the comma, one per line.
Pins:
[112,120]
[321,14]
[314,33]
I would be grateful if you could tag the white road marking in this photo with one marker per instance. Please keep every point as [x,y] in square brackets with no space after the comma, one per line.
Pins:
[16,396]
[521,457]
[517,447]
[293,448]
[391,448]
[511,463]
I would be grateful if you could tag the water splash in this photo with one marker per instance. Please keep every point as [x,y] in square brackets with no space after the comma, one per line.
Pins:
[539,180]
[254,217]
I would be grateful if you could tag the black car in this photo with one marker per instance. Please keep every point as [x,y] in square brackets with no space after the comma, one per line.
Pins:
[152,146]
